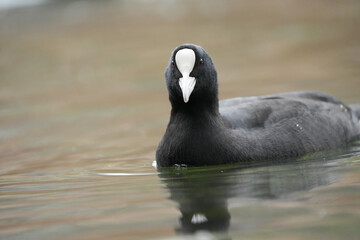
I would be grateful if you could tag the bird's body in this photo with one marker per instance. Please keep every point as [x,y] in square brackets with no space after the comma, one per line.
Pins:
[204,131]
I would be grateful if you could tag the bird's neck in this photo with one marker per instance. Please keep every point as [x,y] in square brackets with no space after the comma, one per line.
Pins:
[196,109]
[196,116]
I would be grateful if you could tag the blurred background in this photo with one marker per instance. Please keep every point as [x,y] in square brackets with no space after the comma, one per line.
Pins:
[82,81]
[82,72]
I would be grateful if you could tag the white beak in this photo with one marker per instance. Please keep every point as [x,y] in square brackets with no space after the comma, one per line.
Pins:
[185,61]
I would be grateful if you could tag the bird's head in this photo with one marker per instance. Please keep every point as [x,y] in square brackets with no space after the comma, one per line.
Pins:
[191,77]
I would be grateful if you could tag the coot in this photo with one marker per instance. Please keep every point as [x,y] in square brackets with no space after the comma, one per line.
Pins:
[204,131]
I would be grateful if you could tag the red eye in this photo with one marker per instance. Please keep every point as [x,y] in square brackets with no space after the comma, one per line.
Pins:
[201,61]
[172,64]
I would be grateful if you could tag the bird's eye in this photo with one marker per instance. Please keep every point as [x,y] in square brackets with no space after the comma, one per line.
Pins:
[172,64]
[201,61]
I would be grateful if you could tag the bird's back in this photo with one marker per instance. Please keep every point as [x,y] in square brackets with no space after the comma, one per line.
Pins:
[312,121]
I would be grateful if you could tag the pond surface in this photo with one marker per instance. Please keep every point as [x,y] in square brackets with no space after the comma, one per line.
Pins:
[316,197]
[83,105]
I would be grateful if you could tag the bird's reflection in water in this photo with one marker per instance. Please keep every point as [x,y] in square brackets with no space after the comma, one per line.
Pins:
[202,193]
[202,198]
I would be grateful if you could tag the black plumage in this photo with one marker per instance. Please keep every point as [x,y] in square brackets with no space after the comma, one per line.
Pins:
[204,131]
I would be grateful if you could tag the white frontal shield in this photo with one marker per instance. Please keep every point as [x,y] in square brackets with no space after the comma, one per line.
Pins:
[185,61]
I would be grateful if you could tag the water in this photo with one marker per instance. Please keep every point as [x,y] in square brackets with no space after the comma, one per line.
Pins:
[272,201]
[83,105]
[287,200]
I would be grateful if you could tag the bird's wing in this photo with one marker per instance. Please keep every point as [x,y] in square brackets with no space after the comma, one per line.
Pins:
[260,112]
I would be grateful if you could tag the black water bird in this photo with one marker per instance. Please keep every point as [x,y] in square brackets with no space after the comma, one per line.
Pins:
[204,131]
